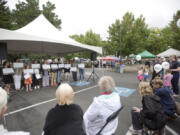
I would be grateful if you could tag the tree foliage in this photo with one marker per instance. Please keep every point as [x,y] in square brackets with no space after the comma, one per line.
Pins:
[175,30]
[27,11]
[48,9]
[5,15]
[133,33]
[89,38]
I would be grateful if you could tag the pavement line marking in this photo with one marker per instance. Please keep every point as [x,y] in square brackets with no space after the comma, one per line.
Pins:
[167,127]
[128,132]
[44,102]
[171,130]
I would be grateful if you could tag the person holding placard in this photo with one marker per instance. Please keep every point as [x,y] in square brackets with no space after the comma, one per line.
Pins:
[7,78]
[28,80]
[36,75]
[60,68]
[18,74]
[81,70]
[45,78]
[67,67]
[54,68]
[146,73]
[74,70]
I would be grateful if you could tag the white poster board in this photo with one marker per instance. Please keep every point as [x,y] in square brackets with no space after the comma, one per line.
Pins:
[38,76]
[67,66]
[36,71]
[35,66]
[46,66]
[82,66]
[54,66]
[73,69]
[26,76]
[61,65]
[7,71]
[28,71]
[18,65]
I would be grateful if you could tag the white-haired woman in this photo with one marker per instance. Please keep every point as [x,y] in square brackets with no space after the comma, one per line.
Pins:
[65,118]
[101,108]
[3,108]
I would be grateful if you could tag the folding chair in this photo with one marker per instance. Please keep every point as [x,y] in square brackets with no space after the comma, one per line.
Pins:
[111,118]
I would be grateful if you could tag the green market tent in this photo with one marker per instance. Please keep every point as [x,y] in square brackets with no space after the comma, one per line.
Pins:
[145,54]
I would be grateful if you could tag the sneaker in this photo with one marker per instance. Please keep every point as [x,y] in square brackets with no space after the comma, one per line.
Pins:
[38,87]
[136,132]
[35,87]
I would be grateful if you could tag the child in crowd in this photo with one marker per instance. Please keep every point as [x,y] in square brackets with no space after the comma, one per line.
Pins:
[167,78]
[67,73]
[140,74]
[28,80]
[146,73]
[36,77]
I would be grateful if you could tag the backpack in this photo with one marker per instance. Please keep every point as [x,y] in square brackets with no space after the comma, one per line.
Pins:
[152,114]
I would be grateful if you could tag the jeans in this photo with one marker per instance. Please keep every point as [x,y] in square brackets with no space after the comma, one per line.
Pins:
[74,74]
[59,76]
[136,120]
[81,72]
[175,81]
[45,80]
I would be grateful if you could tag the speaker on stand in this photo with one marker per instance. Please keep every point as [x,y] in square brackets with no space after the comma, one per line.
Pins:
[93,74]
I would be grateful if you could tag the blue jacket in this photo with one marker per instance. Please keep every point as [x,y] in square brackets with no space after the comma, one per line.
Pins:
[166,100]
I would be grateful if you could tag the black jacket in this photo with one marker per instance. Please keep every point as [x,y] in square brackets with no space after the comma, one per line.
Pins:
[152,114]
[64,120]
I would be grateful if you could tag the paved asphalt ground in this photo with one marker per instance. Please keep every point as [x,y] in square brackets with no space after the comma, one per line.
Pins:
[32,119]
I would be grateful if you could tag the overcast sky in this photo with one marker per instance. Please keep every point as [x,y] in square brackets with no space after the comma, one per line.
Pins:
[78,16]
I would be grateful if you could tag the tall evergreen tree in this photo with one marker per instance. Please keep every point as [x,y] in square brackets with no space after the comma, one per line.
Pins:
[5,15]
[48,9]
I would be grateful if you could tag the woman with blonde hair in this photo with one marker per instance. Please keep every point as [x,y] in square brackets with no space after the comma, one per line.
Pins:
[101,108]
[65,118]
[151,114]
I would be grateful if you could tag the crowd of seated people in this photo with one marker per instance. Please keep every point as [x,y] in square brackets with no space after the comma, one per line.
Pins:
[67,118]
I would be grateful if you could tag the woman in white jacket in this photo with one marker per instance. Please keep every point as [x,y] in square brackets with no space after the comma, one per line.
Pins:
[101,108]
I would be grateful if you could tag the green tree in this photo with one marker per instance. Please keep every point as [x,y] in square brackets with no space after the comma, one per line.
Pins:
[89,38]
[48,9]
[134,34]
[27,11]
[156,42]
[175,30]
[5,15]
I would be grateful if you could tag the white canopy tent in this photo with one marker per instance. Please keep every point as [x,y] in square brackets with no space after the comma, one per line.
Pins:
[40,36]
[169,52]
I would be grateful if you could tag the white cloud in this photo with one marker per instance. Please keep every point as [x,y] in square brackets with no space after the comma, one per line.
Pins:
[78,16]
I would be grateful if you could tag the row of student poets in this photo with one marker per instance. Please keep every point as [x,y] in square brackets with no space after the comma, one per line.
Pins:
[47,74]
[67,118]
